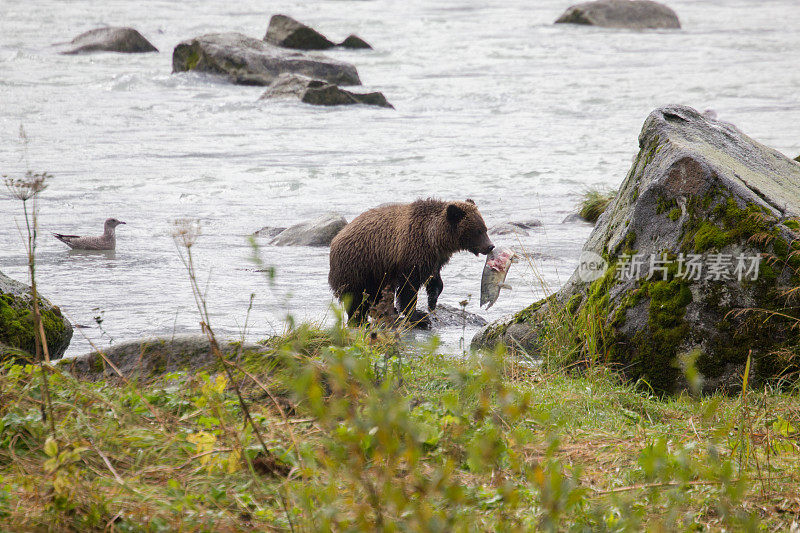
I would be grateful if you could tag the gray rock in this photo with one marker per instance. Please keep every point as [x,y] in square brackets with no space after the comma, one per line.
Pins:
[332,95]
[318,92]
[16,321]
[514,228]
[111,39]
[317,232]
[268,231]
[247,61]
[356,43]
[447,316]
[574,217]
[698,186]
[151,358]
[289,33]
[631,14]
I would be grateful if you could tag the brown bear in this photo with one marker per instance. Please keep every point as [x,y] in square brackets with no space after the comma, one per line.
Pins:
[396,248]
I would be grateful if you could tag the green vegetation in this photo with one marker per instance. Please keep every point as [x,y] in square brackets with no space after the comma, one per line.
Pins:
[594,203]
[17,325]
[674,214]
[361,436]
[721,221]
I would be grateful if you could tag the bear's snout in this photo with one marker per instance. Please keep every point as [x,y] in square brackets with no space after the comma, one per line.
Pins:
[484,247]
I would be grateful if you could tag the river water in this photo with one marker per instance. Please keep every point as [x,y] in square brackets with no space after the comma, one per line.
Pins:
[494,103]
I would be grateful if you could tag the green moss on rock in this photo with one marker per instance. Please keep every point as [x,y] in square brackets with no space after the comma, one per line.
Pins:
[721,221]
[17,329]
[792,224]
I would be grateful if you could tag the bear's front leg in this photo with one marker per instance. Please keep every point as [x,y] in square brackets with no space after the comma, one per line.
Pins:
[357,309]
[407,297]
[434,287]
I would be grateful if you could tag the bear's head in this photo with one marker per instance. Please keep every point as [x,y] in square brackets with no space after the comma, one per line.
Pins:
[469,228]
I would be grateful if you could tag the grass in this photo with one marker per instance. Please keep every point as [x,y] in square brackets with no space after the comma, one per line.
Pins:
[360,436]
[594,203]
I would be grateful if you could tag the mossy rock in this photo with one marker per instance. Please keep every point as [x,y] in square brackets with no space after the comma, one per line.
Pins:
[16,322]
[701,191]
[243,60]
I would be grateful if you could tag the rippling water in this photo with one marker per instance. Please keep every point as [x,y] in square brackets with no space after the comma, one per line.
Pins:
[493,103]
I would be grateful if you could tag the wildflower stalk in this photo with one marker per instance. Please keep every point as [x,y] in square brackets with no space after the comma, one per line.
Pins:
[24,189]
[185,235]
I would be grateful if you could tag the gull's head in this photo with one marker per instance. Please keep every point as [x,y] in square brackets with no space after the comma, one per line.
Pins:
[113,223]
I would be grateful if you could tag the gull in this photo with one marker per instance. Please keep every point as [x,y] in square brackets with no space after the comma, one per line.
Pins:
[107,241]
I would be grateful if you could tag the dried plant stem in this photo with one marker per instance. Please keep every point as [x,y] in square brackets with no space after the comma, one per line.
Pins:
[185,235]
[202,308]
[40,339]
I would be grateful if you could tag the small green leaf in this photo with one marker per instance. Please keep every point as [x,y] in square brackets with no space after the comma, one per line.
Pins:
[51,447]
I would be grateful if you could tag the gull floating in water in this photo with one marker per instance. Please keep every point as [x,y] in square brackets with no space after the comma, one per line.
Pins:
[107,241]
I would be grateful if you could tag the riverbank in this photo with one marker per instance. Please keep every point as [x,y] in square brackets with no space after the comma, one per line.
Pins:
[358,434]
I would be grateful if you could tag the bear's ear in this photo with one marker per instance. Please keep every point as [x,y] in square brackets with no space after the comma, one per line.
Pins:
[455,214]
[470,201]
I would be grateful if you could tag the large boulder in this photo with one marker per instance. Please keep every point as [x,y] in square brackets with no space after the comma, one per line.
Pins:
[289,33]
[711,218]
[247,61]
[631,14]
[318,92]
[317,232]
[151,358]
[111,39]
[16,322]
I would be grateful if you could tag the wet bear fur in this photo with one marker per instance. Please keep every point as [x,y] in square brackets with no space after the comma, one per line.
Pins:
[396,248]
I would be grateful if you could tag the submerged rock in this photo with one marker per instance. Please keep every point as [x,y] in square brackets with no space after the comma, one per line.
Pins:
[574,217]
[16,322]
[289,33]
[356,43]
[317,232]
[515,228]
[111,39]
[318,92]
[247,61]
[150,358]
[268,231]
[702,206]
[631,14]
[447,316]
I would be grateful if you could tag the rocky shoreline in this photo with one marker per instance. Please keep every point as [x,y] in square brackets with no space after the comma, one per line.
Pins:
[713,219]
